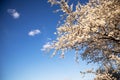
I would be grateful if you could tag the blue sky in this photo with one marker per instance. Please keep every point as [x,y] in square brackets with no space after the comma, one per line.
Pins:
[21,57]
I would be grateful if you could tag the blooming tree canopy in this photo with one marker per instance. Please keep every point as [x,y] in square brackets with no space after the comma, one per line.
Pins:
[93,28]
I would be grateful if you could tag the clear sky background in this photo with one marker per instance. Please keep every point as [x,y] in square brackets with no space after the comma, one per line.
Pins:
[25,26]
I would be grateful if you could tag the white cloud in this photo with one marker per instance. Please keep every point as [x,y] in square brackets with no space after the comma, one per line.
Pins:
[46,47]
[49,39]
[14,13]
[34,32]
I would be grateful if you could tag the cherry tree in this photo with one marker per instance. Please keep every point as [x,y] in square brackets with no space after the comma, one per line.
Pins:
[94,29]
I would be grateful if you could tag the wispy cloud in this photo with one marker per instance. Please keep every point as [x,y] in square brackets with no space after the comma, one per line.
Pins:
[13,13]
[49,39]
[47,47]
[34,32]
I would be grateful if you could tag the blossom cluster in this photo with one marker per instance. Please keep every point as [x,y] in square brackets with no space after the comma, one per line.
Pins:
[93,28]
